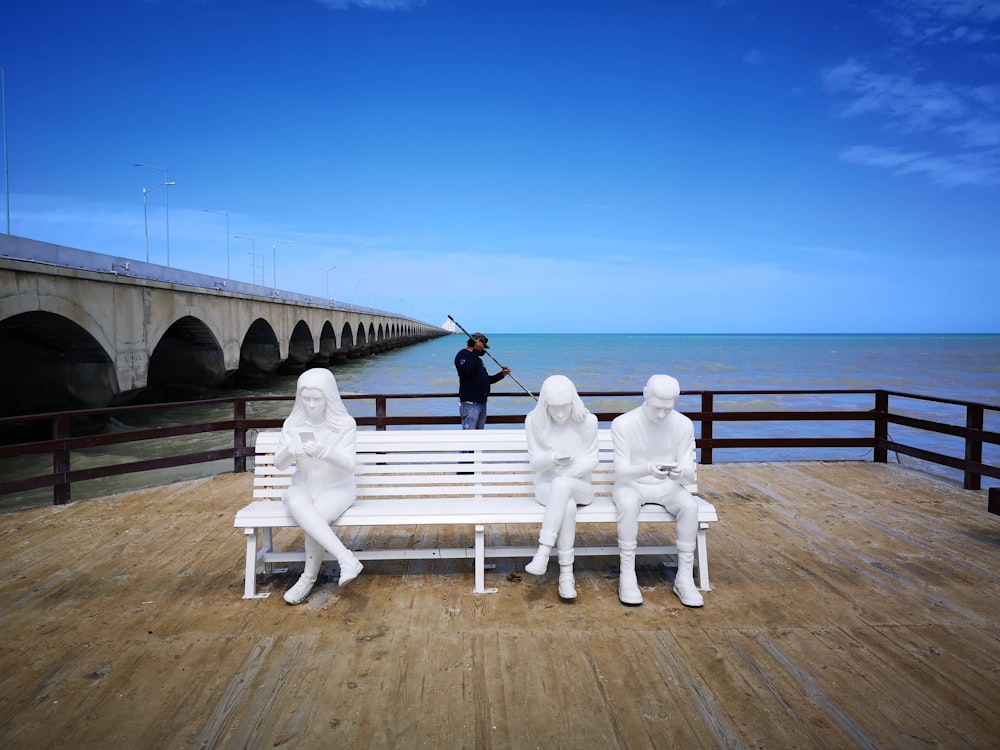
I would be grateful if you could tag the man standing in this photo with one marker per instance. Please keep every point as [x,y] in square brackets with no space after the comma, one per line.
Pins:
[654,459]
[474,382]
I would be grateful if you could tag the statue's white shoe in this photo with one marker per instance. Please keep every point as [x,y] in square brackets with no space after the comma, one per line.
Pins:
[567,586]
[628,589]
[349,571]
[300,591]
[684,586]
[539,563]
[689,595]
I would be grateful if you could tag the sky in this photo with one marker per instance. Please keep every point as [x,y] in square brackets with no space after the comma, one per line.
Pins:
[550,166]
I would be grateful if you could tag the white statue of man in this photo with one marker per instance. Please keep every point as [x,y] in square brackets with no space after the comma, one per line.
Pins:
[319,437]
[654,459]
[562,445]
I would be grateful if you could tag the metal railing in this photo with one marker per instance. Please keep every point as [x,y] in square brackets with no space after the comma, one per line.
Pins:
[65,434]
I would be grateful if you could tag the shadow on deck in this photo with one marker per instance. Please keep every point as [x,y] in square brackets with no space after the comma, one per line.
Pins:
[855,604]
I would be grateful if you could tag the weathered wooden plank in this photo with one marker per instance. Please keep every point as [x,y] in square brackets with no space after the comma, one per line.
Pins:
[238,690]
[852,604]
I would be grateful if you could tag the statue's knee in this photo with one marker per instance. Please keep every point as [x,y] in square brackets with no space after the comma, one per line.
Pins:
[296,497]
[688,503]
[627,502]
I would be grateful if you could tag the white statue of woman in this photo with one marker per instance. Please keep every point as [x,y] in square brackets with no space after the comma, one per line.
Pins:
[319,437]
[562,444]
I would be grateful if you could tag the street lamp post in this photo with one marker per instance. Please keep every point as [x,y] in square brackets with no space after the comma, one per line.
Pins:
[328,281]
[6,172]
[274,262]
[166,181]
[145,219]
[253,255]
[226,214]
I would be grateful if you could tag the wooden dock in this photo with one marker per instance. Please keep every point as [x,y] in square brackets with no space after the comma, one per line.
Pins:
[854,605]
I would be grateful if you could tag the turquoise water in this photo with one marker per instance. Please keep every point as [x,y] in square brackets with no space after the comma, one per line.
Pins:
[964,367]
[961,367]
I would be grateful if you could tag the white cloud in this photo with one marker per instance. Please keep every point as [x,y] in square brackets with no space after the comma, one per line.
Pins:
[372,4]
[755,58]
[944,21]
[949,116]
[981,169]
[909,105]
[977,133]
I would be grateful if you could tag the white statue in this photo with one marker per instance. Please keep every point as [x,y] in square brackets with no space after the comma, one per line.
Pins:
[562,444]
[654,459]
[319,437]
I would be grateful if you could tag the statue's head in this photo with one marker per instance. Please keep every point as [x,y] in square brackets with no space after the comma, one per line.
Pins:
[317,395]
[661,393]
[557,396]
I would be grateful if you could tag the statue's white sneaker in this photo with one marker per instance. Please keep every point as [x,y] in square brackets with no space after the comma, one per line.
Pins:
[349,571]
[567,586]
[684,586]
[539,563]
[688,594]
[300,591]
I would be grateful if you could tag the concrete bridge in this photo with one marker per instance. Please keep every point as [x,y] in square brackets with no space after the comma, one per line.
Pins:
[81,329]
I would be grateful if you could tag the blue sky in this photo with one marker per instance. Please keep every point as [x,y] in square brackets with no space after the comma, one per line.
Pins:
[530,165]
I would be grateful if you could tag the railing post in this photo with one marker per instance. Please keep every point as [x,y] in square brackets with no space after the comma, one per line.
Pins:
[380,412]
[880,427]
[239,436]
[60,461]
[972,480]
[707,424]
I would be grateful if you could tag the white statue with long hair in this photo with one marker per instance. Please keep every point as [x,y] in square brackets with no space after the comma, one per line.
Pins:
[654,460]
[319,437]
[562,444]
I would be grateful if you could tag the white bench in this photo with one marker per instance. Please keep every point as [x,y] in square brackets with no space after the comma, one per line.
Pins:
[474,478]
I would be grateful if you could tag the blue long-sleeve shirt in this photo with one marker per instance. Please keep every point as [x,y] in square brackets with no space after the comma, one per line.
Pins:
[473,380]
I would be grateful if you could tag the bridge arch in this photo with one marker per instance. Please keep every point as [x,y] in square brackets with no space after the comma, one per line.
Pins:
[163,318]
[361,340]
[95,323]
[346,340]
[52,364]
[300,348]
[260,353]
[327,343]
[187,360]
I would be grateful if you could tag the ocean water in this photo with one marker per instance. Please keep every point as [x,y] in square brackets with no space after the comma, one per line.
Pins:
[963,367]
[953,366]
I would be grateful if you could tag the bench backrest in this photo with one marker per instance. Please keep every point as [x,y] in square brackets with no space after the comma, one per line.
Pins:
[434,463]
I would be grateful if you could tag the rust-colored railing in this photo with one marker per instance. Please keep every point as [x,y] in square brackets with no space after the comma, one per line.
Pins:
[63,434]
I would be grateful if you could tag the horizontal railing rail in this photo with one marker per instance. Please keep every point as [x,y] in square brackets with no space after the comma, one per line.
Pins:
[68,434]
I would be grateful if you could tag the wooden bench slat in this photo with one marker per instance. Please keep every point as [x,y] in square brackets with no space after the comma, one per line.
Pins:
[441,477]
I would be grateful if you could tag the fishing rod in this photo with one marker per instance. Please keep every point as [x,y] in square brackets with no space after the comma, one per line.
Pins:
[486,351]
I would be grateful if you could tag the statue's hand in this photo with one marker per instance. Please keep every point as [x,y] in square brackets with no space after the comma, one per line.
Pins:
[312,449]
[664,470]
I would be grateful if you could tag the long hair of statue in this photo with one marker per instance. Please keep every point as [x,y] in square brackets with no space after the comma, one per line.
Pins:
[321,379]
[556,389]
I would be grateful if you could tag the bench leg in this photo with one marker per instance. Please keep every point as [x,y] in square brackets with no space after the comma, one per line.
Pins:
[250,581]
[703,583]
[480,585]
[266,543]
